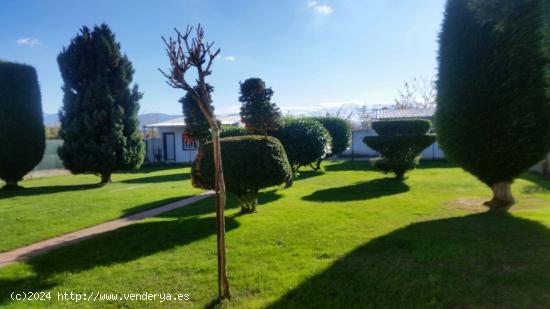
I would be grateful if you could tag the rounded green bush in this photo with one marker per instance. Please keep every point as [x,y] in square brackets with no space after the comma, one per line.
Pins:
[250,163]
[399,148]
[340,132]
[22,134]
[305,141]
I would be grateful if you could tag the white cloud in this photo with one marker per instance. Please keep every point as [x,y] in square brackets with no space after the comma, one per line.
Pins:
[31,42]
[324,9]
[320,9]
[230,58]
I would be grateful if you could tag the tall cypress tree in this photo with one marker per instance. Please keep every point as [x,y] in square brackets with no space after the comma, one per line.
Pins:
[493,113]
[258,113]
[22,135]
[99,123]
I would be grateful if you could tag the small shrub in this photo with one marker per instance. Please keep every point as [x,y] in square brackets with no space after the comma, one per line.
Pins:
[340,133]
[250,163]
[398,148]
[22,135]
[230,131]
[305,141]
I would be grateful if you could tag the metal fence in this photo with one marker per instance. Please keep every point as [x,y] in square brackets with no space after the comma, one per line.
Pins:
[51,159]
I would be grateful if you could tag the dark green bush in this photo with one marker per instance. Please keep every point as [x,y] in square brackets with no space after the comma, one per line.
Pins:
[196,125]
[402,127]
[340,132]
[399,150]
[258,113]
[230,131]
[493,111]
[22,135]
[250,163]
[305,141]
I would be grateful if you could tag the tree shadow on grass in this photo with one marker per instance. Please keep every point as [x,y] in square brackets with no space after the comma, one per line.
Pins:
[487,260]
[119,246]
[539,183]
[359,191]
[159,178]
[42,190]
[303,175]
[344,166]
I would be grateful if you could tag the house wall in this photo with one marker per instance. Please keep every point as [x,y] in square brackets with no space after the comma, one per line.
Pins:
[360,149]
[154,144]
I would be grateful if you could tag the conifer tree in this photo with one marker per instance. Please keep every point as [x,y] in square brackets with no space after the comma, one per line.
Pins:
[99,123]
[258,113]
[493,112]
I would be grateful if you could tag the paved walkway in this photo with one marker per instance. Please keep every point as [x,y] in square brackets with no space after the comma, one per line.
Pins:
[42,247]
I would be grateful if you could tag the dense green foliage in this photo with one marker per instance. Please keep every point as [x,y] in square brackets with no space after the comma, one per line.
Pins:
[493,113]
[196,125]
[250,163]
[258,113]
[99,123]
[399,144]
[230,131]
[22,137]
[340,132]
[305,141]
[401,127]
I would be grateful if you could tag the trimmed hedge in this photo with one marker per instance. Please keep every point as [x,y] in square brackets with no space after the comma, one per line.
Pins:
[305,141]
[230,131]
[402,127]
[399,148]
[22,134]
[250,163]
[340,132]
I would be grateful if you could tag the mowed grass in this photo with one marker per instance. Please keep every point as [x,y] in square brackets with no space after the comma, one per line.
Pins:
[343,237]
[52,206]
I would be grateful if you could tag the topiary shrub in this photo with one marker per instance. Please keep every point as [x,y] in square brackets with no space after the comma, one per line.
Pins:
[399,144]
[22,134]
[305,141]
[493,111]
[340,133]
[230,131]
[258,113]
[250,163]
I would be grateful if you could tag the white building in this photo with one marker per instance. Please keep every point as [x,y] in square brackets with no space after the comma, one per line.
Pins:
[166,143]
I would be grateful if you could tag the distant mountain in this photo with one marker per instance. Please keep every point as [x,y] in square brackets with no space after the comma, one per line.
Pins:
[51,120]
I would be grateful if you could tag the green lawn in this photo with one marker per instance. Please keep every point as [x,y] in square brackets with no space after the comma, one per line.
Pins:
[343,237]
[52,206]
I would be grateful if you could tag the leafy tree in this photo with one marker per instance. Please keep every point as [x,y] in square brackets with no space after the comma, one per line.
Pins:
[258,113]
[305,141]
[340,133]
[493,111]
[22,138]
[399,143]
[250,163]
[99,123]
[196,125]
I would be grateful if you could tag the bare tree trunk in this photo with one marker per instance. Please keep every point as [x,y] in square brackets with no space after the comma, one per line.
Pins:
[502,196]
[545,167]
[223,283]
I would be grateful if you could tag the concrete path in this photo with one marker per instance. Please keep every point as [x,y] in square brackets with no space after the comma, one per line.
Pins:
[42,247]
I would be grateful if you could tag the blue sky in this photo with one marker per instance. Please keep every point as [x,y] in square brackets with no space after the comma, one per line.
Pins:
[313,54]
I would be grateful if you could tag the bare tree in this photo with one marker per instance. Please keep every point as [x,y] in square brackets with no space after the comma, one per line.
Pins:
[185,53]
[417,93]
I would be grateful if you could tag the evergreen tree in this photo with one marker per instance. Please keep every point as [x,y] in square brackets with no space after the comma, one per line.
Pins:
[22,135]
[196,125]
[493,113]
[99,123]
[258,113]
